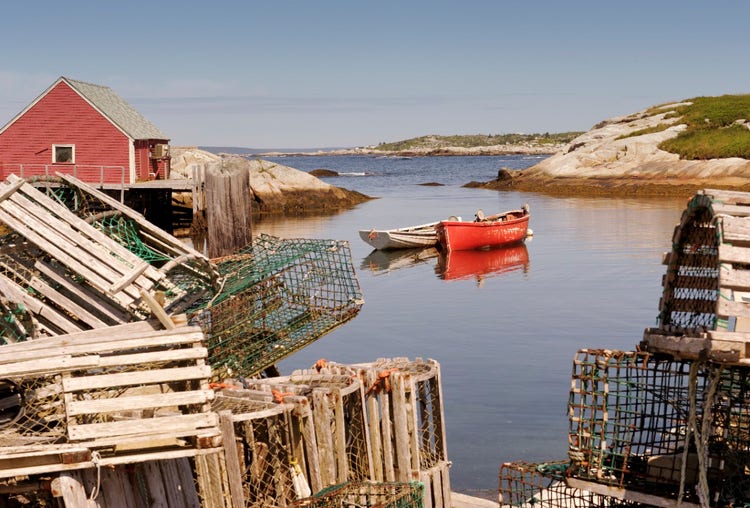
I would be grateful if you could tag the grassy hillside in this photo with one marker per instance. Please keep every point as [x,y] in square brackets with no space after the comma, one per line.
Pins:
[717,128]
[469,141]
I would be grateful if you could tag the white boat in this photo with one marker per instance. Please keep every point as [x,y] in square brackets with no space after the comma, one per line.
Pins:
[410,237]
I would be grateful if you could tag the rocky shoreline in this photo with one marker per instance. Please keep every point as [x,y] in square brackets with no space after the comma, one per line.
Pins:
[429,152]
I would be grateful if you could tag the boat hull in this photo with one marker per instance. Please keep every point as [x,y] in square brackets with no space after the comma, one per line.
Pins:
[403,238]
[469,264]
[456,235]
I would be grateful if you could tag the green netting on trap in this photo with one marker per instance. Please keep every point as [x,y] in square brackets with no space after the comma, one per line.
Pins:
[367,495]
[276,297]
[124,231]
[676,429]
[15,322]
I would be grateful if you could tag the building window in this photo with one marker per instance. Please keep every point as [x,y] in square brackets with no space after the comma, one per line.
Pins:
[63,153]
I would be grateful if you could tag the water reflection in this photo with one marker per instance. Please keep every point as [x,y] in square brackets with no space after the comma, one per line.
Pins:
[380,262]
[481,264]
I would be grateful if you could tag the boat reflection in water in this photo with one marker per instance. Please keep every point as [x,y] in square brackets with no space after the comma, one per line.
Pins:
[384,261]
[481,264]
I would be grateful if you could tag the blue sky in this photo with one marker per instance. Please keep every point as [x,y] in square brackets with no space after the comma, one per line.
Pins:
[303,74]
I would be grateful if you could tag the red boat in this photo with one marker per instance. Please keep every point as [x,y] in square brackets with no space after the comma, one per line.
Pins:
[504,228]
[479,264]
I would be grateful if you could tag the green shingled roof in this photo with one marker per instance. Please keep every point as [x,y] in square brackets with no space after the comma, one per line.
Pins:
[117,110]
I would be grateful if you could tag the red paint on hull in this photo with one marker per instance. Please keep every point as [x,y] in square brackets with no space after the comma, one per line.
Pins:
[466,264]
[457,235]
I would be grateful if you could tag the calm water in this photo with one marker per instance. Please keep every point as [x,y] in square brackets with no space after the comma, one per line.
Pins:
[505,340]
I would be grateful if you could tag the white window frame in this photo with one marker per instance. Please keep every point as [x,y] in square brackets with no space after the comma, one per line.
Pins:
[72,154]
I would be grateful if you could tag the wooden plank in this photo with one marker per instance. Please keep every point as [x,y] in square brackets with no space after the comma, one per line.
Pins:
[436,383]
[155,484]
[66,303]
[95,301]
[628,495]
[156,455]
[728,196]
[311,445]
[737,279]
[157,310]
[44,365]
[734,210]
[129,278]
[128,358]
[7,190]
[373,422]
[339,436]
[138,330]
[236,491]
[728,308]
[70,489]
[189,489]
[138,402]
[400,426]
[59,233]
[115,491]
[735,229]
[732,254]
[136,378]
[118,432]
[324,437]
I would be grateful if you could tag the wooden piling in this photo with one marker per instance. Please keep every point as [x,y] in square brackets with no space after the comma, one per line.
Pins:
[228,209]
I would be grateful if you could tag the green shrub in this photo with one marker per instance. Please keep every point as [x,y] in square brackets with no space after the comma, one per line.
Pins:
[713,130]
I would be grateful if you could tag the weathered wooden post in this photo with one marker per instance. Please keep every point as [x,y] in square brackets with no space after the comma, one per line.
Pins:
[228,208]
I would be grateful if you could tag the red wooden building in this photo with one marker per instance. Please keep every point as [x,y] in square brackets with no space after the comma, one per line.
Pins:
[85,130]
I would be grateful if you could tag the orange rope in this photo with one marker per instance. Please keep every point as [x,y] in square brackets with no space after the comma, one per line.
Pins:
[222,386]
[320,364]
[279,396]
[382,382]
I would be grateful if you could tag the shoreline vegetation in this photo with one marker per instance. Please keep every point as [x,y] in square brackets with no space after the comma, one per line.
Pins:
[462,145]
[668,150]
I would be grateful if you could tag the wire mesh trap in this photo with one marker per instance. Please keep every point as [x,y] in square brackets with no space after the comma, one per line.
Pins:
[277,296]
[543,485]
[675,429]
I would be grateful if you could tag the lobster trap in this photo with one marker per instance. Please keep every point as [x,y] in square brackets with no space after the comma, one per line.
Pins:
[543,485]
[704,311]
[336,406]
[277,296]
[366,495]
[675,429]
[406,422]
[67,399]
[73,269]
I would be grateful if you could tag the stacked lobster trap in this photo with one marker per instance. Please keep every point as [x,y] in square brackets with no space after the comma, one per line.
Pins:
[276,296]
[406,423]
[669,423]
[372,432]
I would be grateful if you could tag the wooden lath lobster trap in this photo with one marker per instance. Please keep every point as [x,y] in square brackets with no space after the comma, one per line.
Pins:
[135,394]
[661,428]
[704,311]
[71,273]
[341,437]
[277,296]
[368,494]
[406,422]
[264,450]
